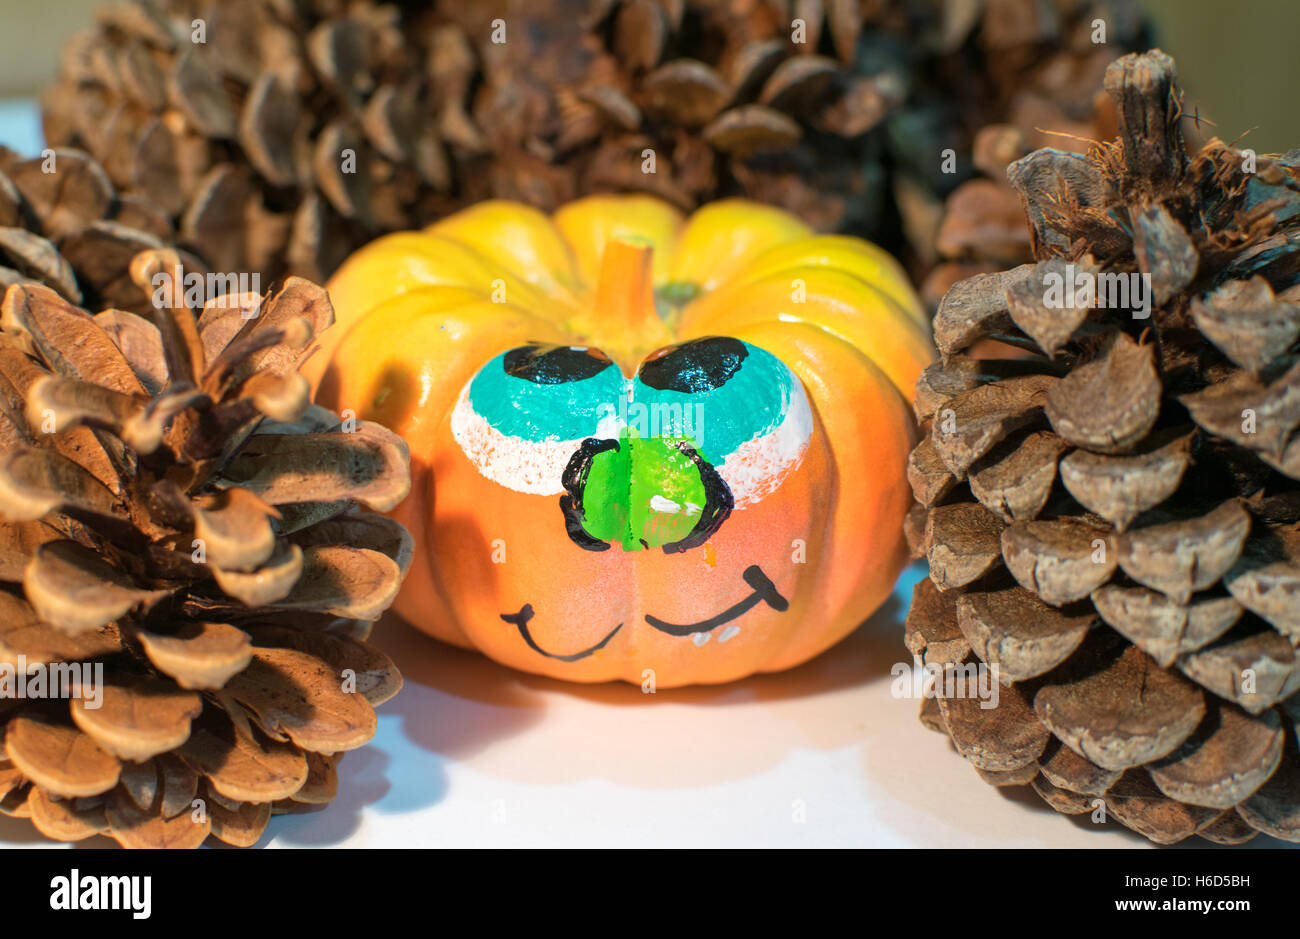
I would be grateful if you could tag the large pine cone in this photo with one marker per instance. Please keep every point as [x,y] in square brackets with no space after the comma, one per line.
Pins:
[174,511]
[1111,520]
[64,225]
[834,127]
[240,138]
[237,118]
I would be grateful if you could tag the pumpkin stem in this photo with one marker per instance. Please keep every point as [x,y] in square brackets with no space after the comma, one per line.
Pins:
[624,303]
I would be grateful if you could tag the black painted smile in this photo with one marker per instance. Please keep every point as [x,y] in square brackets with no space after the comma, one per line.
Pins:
[762,591]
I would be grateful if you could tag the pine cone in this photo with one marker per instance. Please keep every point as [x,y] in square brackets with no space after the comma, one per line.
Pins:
[237,118]
[1037,85]
[982,227]
[62,224]
[173,511]
[1111,519]
[829,127]
[240,138]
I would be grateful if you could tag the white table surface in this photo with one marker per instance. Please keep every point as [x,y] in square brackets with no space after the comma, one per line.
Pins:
[471,754]
[474,754]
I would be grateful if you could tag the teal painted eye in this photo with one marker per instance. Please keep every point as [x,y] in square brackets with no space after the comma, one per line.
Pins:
[720,393]
[521,417]
[540,393]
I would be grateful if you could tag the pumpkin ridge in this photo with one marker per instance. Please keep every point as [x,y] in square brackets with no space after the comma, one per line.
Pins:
[900,352]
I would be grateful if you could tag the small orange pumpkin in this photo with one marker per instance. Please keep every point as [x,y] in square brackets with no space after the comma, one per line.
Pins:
[643,447]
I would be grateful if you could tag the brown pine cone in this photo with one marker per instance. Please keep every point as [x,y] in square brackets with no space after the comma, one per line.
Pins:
[834,127]
[277,136]
[1110,520]
[64,225]
[176,516]
[839,110]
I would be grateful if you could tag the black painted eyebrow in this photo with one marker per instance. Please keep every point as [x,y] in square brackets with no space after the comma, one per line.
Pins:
[696,366]
[554,365]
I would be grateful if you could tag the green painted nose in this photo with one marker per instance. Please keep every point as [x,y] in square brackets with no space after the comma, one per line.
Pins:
[655,492]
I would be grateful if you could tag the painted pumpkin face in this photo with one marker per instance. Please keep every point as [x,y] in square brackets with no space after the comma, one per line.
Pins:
[643,447]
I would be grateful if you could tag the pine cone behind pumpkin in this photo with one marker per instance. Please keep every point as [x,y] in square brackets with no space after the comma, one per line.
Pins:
[241,137]
[278,137]
[1111,520]
[839,111]
[174,511]
[63,224]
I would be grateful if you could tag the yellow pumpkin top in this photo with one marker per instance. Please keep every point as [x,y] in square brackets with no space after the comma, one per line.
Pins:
[732,264]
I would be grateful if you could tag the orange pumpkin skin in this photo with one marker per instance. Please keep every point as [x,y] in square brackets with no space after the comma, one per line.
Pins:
[497,570]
